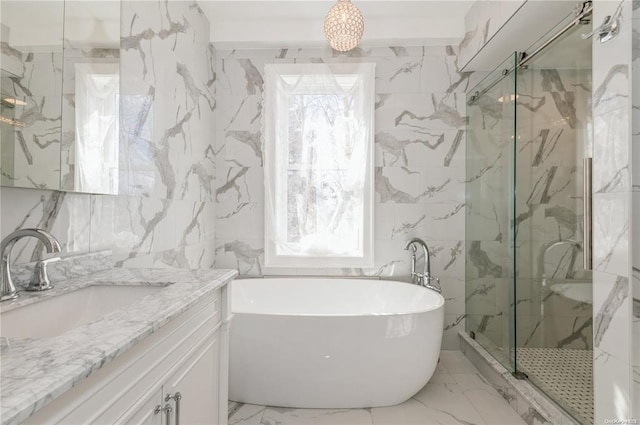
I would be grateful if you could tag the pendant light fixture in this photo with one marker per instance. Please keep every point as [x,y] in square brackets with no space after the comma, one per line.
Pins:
[344,26]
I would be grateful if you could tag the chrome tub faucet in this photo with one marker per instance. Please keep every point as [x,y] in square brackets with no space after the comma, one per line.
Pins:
[38,283]
[425,278]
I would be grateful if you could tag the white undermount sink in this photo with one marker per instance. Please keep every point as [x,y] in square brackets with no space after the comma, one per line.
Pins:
[61,313]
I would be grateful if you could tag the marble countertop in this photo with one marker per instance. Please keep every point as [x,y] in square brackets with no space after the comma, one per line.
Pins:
[36,371]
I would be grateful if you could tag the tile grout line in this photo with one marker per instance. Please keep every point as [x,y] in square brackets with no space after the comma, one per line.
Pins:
[234,409]
[370,410]
[451,414]
[492,391]
[473,405]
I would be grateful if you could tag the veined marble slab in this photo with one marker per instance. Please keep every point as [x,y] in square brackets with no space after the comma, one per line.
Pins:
[36,371]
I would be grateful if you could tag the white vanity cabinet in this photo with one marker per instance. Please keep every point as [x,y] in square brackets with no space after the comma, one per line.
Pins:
[192,401]
[148,413]
[188,355]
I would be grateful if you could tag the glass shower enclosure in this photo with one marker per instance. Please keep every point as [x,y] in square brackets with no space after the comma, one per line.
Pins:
[528,287]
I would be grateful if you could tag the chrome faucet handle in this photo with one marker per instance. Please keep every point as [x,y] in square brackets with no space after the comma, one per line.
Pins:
[40,279]
[415,277]
[436,287]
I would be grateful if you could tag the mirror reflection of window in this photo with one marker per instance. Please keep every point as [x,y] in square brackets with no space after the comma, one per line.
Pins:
[96,142]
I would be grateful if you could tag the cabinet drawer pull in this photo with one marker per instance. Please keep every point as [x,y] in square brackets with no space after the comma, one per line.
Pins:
[167,411]
[177,397]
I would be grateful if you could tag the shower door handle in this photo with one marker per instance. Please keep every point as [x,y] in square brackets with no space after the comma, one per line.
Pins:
[587,224]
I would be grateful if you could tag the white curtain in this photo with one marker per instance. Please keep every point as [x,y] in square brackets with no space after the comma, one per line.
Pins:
[318,135]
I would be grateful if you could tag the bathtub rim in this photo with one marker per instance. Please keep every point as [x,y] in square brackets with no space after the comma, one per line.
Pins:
[439,305]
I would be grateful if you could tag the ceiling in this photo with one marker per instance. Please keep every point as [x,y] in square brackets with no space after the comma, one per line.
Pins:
[299,23]
[250,23]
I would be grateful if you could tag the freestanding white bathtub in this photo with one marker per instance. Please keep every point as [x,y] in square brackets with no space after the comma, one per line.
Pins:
[332,343]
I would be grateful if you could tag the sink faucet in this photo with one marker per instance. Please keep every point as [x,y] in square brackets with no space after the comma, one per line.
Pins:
[7,288]
[424,278]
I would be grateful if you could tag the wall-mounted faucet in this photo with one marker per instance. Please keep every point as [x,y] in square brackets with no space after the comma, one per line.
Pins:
[424,278]
[7,288]
[575,245]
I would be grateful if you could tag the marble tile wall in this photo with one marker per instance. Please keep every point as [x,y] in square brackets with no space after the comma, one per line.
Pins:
[614,217]
[164,213]
[484,19]
[419,162]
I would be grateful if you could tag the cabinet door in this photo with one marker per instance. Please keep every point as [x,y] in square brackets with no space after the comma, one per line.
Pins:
[143,411]
[197,381]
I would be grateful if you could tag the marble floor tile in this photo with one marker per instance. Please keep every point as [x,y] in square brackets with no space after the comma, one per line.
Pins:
[447,404]
[246,414]
[442,375]
[282,416]
[456,394]
[493,408]
[456,362]
[411,412]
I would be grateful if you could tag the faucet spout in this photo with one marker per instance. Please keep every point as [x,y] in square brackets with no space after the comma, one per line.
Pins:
[51,244]
[411,244]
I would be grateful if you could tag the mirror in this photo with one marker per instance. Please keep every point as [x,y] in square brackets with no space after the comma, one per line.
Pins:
[31,83]
[60,85]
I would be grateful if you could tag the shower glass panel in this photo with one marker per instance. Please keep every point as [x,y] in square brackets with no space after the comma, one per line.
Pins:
[489,197]
[552,288]
[528,294]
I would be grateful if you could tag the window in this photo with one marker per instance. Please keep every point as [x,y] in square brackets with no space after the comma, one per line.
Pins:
[318,135]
